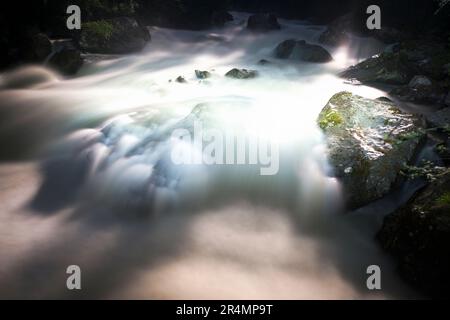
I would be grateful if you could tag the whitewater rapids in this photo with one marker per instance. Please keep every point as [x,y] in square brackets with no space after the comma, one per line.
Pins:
[96,189]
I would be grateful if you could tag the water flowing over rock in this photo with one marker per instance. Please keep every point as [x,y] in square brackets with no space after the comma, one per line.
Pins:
[113,36]
[27,77]
[263,22]
[302,51]
[369,141]
[418,235]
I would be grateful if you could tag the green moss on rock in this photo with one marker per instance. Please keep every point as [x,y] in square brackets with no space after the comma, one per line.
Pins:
[101,30]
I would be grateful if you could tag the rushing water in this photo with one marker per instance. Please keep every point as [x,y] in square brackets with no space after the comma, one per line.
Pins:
[107,197]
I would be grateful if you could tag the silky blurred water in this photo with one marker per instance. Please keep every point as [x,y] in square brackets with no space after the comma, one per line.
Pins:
[99,189]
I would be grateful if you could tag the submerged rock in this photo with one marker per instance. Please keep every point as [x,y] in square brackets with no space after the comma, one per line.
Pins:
[369,141]
[27,77]
[263,22]
[241,74]
[113,36]
[302,51]
[264,62]
[418,235]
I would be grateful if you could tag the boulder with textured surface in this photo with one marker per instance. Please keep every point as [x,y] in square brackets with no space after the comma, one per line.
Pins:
[369,141]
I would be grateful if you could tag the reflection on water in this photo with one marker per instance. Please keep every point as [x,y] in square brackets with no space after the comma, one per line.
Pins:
[108,197]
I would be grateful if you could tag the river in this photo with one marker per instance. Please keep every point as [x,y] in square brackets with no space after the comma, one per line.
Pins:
[100,192]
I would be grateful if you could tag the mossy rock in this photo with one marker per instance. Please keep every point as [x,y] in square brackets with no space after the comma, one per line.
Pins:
[113,36]
[369,141]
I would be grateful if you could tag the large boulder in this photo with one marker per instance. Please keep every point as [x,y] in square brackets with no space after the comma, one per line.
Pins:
[369,142]
[263,22]
[418,235]
[113,36]
[302,51]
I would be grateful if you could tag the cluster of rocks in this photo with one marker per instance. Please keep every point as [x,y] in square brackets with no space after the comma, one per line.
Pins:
[371,141]
[110,36]
[419,69]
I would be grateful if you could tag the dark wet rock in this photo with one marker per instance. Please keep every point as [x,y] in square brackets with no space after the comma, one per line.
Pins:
[419,82]
[202,74]
[181,79]
[421,90]
[40,48]
[263,22]
[389,68]
[369,141]
[337,32]
[66,58]
[418,235]
[410,58]
[390,35]
[432,94]
[439,119]
[264,62]
[113,36]
[220,18]
[302,51]
[332,37]
[241,74]
[447,100]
